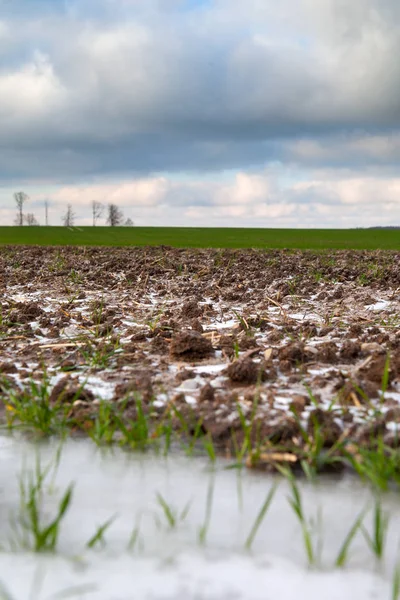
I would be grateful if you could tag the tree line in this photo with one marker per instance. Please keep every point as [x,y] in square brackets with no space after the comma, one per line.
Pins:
[114,215]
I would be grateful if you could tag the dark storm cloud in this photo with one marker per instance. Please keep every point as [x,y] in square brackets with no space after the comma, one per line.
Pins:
[153,89]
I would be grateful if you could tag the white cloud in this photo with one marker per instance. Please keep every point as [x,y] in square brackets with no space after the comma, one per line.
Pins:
[260,199]
[146,192]
[29,93]
[123,90]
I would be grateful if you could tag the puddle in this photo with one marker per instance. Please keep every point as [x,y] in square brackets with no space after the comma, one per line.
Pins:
[175,562]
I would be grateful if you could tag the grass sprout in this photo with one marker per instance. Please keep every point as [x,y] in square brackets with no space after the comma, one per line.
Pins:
[203,531]
[296,503]
[32,530]
[98,537]
[171,516]
[344,550]
[380,523]
[260,517]
[396,583]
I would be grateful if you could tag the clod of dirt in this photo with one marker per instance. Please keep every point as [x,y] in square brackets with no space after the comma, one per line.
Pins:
[274,337]
[357,392]
[355,330]
[8,367]
[337,294]
[245,370]
[327,352]
[367,434]
[226,344]
[308,330]
[183,375]
[68,365]
[375,368]
[246,342]
[196,325]
[82,414]
[350,350]
[322,423]
[53,333]
[191,310]
[324,331]
[190,345]
[140,336]
[298,404]
[293,353]
[159,345]
[67,391]
[140,384]
[207,393]
[25,313]
[284,431]
[45,321]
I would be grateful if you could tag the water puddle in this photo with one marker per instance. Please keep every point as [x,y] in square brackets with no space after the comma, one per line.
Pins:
[179,529]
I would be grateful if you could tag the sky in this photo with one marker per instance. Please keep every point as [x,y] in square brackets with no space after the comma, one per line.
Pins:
[247,113]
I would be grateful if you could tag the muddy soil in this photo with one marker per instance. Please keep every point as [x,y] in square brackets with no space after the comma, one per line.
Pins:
[288,340]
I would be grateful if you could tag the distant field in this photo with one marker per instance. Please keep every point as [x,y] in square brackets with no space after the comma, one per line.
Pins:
[204,237]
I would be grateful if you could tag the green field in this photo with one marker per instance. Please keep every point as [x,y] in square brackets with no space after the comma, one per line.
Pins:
[368,239]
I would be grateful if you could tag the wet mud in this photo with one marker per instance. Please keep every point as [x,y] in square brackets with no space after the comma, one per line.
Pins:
[287,342]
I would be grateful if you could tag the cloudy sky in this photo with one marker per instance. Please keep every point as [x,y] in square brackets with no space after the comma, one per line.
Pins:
[203,112]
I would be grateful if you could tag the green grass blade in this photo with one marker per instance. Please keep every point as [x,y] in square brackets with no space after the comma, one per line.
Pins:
[169,515]
[260,517]
[99,535]
[342,556]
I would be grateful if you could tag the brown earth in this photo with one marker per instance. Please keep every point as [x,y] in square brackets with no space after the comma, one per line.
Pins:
[294,341]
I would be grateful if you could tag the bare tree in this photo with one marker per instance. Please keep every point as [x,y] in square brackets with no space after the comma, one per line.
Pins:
[129,222]
[20,199]
[97,211]
[69,218]
[31,220]
[115,215]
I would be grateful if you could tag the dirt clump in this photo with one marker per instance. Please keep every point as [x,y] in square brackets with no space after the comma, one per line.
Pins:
[159,345]
[322,423]
[284,431]
[246,342]
[8,367]
[226,344]
[370,433]
[196,325]
[190,345]
[68,391]
[374,369]
[245,371]
[191,310]
[299,403]
[207,393]
[183,375]
[327,352]
[25,313]
[350,350]
[138,387]
[293,353]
